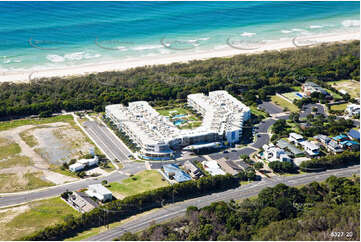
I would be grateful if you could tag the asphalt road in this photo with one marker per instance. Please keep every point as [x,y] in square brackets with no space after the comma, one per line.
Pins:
[57,190]
[261,140]
[178,209]
[107,141]
[271,108]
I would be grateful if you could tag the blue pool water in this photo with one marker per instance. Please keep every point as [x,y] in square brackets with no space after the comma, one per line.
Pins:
[179,122]
[298,94]
[179,115]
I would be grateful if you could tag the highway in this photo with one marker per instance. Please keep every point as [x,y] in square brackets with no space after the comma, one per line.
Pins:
[178,209]
[107,141]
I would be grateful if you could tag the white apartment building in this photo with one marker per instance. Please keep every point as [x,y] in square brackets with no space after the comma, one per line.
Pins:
[223,118]
[352,109]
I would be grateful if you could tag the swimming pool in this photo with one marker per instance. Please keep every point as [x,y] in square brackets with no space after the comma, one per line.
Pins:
[179,115]
[299,94]
[179,122]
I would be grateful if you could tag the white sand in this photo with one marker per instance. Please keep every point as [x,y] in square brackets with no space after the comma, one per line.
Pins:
[227,51]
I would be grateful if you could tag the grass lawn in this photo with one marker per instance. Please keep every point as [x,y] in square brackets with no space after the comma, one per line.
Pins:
[140,182]
[35,217]
[167,112]
[351,87]
[284,104]
[258,112]
[5,125]
[8,150]
[339,107]
[334,95]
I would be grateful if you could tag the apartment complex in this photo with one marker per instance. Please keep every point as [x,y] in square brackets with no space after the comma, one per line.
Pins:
[223,119]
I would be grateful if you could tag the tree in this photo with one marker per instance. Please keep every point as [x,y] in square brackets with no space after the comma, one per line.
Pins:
[258,165]
[104,182]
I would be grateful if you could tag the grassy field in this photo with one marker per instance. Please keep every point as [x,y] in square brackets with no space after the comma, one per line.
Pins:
[140,182]
[11,182]
[5,125]
[351,87]
[284,104]
[339,107]
[16,160]
[258,112]
[36,216]
[29,139]
[9,150]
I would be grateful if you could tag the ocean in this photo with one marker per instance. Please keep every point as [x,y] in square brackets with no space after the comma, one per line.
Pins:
[46,35]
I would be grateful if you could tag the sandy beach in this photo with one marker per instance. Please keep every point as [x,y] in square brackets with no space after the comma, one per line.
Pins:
[233,47]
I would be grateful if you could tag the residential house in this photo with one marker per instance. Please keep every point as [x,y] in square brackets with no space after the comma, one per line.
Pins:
[212,167]
[229,167]
[296,138]
[99,192]
[310,87]
[274,153]
[175,173]
[82,202]
[340,138]
[295,152]
[83,163]
[352,110]
[310,148]
[350,145]
[192,169]
[354,134]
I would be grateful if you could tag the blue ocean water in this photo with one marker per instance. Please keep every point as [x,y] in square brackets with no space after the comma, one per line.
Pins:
[57,34]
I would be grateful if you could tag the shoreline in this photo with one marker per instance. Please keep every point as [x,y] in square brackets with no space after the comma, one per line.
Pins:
[181,57]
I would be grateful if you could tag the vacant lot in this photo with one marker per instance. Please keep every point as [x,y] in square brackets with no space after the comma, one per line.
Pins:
[19,221]
[141,182]
[32,151]
[351,87]
[284,104]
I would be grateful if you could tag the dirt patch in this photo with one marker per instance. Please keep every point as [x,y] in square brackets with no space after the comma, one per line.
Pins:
[7,214]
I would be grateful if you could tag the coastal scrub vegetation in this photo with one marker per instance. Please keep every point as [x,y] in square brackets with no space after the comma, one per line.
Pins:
[251,78]
[316,211]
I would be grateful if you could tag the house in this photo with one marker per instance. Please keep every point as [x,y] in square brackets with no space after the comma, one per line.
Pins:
[82,202]
[310,148]
[296,138]
[229,167]
[323,139]
[340,138]
[99,192]
[310,87]
[76,167]
[333,147]
[295,152]
[83,163]
[174,172]
[350,145]
[212,167]
[192,169]
[354,134]
[273,153]
[352,110]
